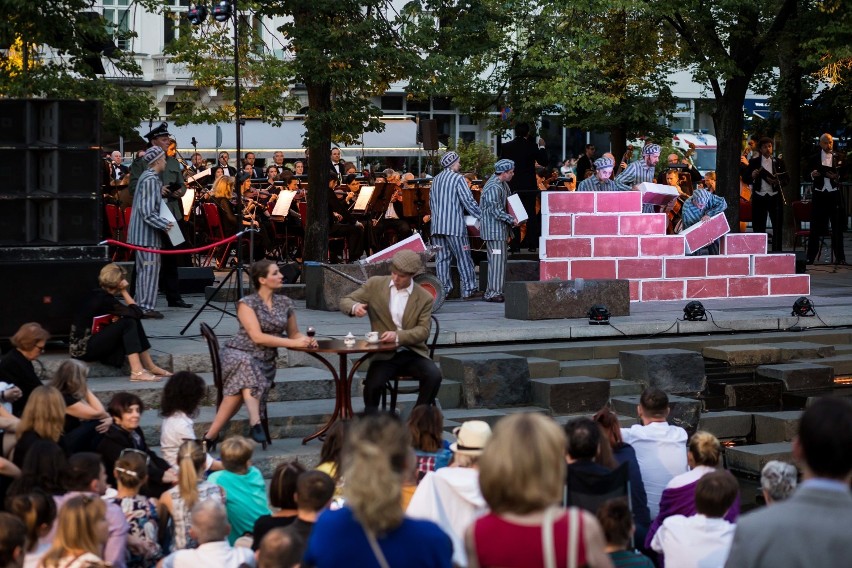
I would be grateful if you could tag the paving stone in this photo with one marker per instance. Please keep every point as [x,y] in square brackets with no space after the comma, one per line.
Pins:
[805,350]
[489,380]
[751,459]
[677,371]
[766,394]
[726,424]
[516,271]
[601,368]
[556,299]
[842,364]
[744,355]
[799,376]
[565,395]
[620,387]
[541,368]
[776,426]
[685,412]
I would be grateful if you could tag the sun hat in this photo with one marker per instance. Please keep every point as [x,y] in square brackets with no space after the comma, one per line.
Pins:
[471,437]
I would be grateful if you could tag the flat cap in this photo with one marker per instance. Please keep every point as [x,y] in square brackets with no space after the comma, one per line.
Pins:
[407,262]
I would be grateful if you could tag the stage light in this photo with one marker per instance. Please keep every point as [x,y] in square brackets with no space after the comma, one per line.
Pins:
[694,311]
[598,315]
[196,14]
[222,11]
[803,308]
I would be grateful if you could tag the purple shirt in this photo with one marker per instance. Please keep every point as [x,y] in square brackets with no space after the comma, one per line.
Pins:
[115,551]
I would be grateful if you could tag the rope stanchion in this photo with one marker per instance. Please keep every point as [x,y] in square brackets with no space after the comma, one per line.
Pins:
[176,251]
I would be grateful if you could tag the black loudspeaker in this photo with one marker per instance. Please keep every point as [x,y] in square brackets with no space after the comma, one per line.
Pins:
[429,134]
[291,272]
[801,262]
[194,279]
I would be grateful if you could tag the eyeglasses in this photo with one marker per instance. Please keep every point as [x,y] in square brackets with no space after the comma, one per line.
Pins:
[135,451]
[40,348]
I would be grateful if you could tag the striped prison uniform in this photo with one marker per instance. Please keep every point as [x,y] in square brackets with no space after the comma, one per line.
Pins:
[448,199]
[635,173]
[594,184]
[145,230]
[495,230]
[691,214]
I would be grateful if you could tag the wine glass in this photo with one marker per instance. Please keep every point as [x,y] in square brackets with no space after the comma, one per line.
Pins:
[311,331]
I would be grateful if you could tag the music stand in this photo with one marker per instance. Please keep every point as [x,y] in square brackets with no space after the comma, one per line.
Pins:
[415,201]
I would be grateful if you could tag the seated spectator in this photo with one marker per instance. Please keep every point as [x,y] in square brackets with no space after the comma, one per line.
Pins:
[130,473]
[126,436]
[522,475]
[330,454]
[86,419]
[209,528]
[282,496]
[426,426]
[660,447]
[704,539]
[191,489]
[778,481]
[16,366]
[38,512]
[314,492]
[179,404]
[374,462]
[450,496]
[623,452]
[13,535]
[583,447]
[43,419]
[80,535]
[279,549]
[243,485]
[811,528]
[617,524]
[85,480]
[44,469]
[679,495]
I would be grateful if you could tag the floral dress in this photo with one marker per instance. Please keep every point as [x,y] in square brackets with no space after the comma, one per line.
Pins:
[141,515]
[182,514]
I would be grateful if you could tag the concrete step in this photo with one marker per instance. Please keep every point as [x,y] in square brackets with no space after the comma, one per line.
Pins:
[601,368]
[620,387]
[727,424]
[570,395]
[771,427]
[751,459]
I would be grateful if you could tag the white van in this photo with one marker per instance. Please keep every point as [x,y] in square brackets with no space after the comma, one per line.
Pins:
[704,156]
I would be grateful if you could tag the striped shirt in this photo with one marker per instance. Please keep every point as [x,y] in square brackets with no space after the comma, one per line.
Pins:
[146,225]
[496,222]
[691,214]
[594,184]
[636,172]
[448,199]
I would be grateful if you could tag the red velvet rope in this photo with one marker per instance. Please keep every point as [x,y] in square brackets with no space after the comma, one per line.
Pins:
[176,251]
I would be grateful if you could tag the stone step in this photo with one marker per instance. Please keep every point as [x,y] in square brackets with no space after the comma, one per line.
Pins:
[798,376]
[842,364]
[727,424]
[678,371]
[456,416]
[749,394]
[751,459]
[570,395]
[773,427]
[541,368]
[737,355]
[620,387]
[601,368]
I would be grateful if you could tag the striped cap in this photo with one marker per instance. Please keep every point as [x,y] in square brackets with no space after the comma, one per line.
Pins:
[503,166]
[651,149]
[449,159]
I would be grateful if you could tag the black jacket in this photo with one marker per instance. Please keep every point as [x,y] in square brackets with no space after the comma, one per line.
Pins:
[118,439]
[19,371]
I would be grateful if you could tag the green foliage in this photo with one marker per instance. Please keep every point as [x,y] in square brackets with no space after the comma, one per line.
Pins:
[474,156]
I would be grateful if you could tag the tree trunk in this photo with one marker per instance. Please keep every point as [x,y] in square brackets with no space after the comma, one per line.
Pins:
[618,142]
[319,143]
[790,89]
[728,120]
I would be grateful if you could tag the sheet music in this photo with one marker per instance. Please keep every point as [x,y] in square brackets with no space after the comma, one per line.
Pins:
[200,175]
[283,203]
[187,200]
[364,198]
[175,234]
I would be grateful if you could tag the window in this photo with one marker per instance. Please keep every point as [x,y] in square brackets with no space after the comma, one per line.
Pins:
[174,22]
[117,17]
[391,102]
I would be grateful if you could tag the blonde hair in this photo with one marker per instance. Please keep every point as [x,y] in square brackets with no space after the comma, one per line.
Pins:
[705,449]
[522,468]
[111,276]
[236,453]
[29,335]
[76,529]
[375,459]
[131,470]
[191,458]
[44,414]
[70,378]
[223,187]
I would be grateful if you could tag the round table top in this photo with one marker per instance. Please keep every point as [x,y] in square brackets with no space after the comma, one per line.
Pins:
[338,346]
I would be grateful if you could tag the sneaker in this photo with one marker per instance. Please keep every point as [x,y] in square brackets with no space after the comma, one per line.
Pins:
[152,314]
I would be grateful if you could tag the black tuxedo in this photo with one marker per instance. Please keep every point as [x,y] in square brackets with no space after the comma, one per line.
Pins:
[826,206]
[763,205]
[346,227]
[525,153]
[584,164]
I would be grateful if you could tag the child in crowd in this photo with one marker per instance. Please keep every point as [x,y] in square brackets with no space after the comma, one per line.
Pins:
[179,405]
[131,473]
[617,523]
[426,426]
[38,511]
[330,454]
[282,491]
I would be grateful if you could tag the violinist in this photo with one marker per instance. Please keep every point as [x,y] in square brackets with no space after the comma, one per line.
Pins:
[393,219]
[342,223]
[255,215]
[767,175]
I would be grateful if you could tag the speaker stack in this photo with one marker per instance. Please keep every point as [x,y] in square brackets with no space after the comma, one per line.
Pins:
[50,210]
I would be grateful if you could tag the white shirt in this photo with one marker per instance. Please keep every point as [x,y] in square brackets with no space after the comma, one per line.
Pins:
[177,429]
[694,542]
[826,161]
[219,554]
[765,188]
[398,300]
[661,452]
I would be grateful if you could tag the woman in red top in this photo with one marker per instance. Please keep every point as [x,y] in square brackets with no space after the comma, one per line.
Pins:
[522,473]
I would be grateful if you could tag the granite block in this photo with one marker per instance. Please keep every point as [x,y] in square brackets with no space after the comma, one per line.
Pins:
[672,370]
[516,271]
[727,423]
[541,368]
[772,427]
[600,368]
[799,376]
[744,355]
[556,299]
[489,379]
[566,395]
[751,459]
[754,394]
[842,364]
[805,350]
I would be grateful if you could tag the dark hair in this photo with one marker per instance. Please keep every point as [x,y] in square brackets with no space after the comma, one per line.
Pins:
[583,438]
[286,176]
[332,447]
[121,403]
[83,468]
[763,141]
[183,393]
[314,489]
[283,484]
[35,510]
[259,269]
[715,493]
[610,426]
[426,425]
[654,401]
[13,534]
[825,437]
[44,467]
[616,521]
[522,129]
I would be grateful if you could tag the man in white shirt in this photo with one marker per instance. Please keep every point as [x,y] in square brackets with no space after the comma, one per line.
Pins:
[210,528]
[827,204]
[660,447]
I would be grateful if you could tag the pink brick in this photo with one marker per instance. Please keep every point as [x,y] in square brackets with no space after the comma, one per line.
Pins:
[619,202]
[663,245]
[705,232]
[748,286]
[790,285]
[686,267]
[565,247]
[616,246]
[634,291]
[728,265]
[567,202]
[630,268]
[549,269]
[770,264]
[557,225]
[593,268]
[643,224]
[706,288]
[595,224]
[662,290]
[744,243]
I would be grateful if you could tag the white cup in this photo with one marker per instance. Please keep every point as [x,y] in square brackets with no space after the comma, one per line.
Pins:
[372,336]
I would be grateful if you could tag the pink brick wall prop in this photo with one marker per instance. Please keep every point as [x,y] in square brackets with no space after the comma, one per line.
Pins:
[668,245]
[615,246]
[795,285]
[634,291]
[636,268]
[643,224]
[556,202]
[557,225]
[618,202]
[596,224]
[550,269]
[770,264]
[729,265]
[706,288]
[686,267]
[657,194]
[662,290]
[748,286]
[593,268]
[705,232]
[564,247]
[743,243]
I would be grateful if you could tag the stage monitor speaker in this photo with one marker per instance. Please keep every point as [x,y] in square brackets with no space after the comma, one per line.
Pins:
[16,122]
[17,222]
[70,123]
[15,171]
[194,279]
[429,134]
[69,221]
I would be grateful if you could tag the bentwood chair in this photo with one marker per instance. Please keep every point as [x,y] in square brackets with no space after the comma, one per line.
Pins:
[393,387]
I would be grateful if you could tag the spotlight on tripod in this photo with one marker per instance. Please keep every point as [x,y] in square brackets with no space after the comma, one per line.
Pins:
[598,315]
[803,308]
[694,311]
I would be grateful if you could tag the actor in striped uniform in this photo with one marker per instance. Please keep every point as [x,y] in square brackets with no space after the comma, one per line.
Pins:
[448,199]
[146,228]
[699,206]
[601,181]
[496,226]
[641,171]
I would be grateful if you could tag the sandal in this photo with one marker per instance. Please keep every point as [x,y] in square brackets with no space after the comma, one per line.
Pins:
[144,376]
[158,372]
